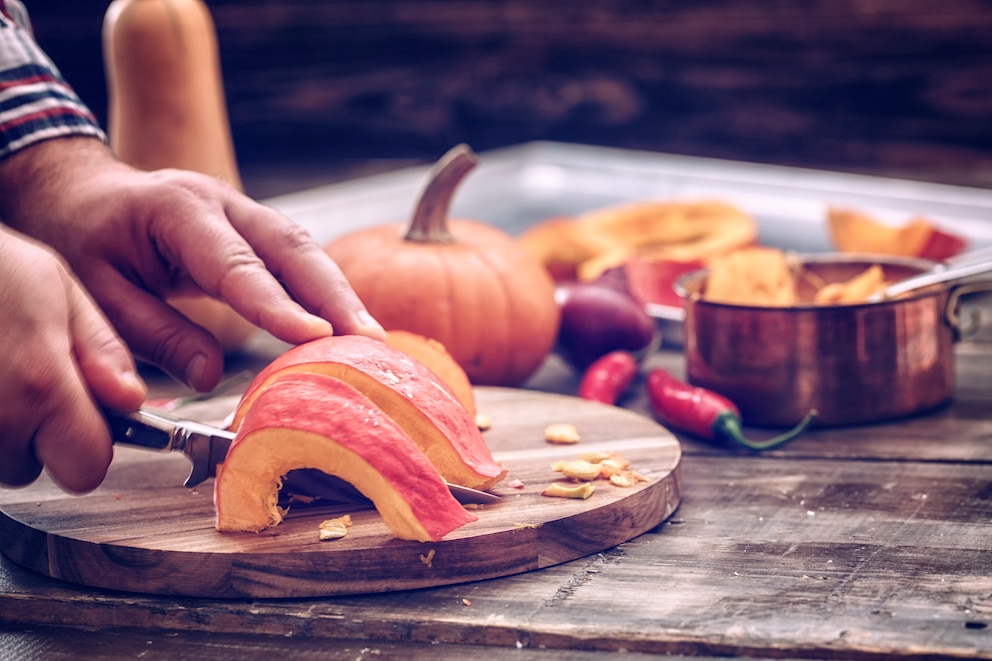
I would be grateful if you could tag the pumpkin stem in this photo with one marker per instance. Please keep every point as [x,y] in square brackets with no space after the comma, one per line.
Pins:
[429,223]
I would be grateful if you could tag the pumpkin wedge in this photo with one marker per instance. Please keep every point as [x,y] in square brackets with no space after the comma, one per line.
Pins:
[418,400]
[319,422]
[434,355]
[856,232]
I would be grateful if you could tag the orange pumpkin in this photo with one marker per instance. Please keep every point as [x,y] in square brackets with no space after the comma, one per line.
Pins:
[465,283]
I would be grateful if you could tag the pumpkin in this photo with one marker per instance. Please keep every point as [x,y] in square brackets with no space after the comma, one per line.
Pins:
[586,246]
[166,109]
[758,275]
[305,420]
[405,389]
[432,353]
[856,232]
[462,282]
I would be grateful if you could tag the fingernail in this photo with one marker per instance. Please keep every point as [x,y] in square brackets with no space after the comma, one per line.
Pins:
[131,381]
[195,370]
[369,324]
[320,326]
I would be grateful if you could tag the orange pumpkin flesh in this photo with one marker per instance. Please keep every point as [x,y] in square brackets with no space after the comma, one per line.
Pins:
[432,353]
[465,283]
[318,422]
[409,393]
[588,245]
[852,231]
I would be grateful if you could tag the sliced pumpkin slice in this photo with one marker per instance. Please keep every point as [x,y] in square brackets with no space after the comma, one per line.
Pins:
[419,401]
[434,355]
[313,421]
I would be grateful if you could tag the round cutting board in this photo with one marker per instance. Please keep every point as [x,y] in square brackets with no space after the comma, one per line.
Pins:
[142,531]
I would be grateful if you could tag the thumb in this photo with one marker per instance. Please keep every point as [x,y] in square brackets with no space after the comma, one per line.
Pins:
[105,363]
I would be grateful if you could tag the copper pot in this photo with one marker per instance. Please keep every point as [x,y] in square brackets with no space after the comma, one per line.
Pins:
[851,363]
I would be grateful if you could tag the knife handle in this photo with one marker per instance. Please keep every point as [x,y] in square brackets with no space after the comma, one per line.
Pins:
[141,429]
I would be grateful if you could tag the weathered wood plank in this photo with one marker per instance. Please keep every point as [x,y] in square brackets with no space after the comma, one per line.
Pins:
[764,557]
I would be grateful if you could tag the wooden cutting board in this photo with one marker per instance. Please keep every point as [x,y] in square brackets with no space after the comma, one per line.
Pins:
[142,531]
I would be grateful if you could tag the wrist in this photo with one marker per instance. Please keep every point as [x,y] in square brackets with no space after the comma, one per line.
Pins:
[35,180]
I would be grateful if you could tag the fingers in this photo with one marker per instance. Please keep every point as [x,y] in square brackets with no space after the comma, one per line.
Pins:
[270,270]
[304,268]
[72,440]
[104,361]
[50,417]
[156,332]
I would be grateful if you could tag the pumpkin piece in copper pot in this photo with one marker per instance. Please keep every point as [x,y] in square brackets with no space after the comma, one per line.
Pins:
[757,275]
[856,290]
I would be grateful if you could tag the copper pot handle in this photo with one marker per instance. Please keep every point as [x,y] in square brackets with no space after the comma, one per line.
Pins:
[952,313]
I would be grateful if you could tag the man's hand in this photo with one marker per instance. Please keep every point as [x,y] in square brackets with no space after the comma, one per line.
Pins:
[62,363]
[134,238]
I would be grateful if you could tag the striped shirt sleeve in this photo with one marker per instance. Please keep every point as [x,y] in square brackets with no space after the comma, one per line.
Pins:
[36,103]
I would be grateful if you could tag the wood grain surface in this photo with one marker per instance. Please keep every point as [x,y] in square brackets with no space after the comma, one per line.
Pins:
[869,542]
[143,532]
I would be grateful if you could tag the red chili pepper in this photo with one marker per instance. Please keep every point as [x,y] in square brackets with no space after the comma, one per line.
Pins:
[706,414]
[608,377]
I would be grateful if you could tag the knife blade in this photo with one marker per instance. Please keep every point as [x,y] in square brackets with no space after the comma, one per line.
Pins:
[206,446]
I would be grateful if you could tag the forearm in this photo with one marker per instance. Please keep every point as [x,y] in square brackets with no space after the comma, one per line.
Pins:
[37,103]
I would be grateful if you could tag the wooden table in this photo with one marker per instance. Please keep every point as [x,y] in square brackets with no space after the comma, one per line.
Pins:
[866,542]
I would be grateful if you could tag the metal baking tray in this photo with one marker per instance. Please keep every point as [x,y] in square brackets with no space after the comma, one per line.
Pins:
[517,186]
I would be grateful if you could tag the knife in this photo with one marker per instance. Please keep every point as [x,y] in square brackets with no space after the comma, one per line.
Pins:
[206,446]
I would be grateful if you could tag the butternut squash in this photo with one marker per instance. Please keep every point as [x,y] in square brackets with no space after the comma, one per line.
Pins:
[167,110]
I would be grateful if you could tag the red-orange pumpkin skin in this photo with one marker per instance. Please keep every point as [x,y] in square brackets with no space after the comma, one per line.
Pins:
[419,401]
[313,421]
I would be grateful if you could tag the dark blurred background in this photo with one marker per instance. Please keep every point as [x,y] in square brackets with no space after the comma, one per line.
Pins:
[320,90]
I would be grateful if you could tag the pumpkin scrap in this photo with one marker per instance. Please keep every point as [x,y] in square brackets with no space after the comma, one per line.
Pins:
[627,479]
[751,276]
[591,466]
[683,231]
[763,276]
[483,421]
[558,490]
[857,289]
[334,528]
[577,469]
[856,232]
[561,433]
